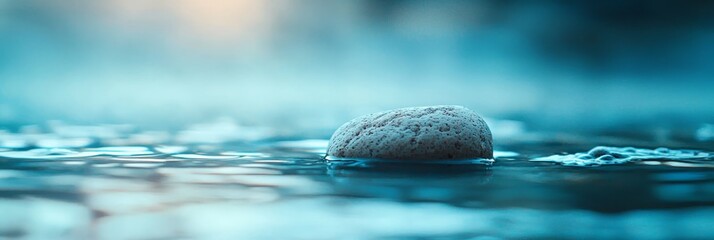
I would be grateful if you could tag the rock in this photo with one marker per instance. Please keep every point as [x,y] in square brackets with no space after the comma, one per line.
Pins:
[417,133]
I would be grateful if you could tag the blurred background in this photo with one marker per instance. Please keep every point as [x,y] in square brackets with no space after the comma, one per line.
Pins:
[314,64]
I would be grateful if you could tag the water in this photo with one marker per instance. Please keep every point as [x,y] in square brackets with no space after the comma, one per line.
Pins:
[221,181]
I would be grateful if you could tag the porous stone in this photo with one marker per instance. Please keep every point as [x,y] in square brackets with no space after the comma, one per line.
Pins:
[417,133]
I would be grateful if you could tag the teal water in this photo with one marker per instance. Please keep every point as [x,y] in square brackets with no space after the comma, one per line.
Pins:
[117,182]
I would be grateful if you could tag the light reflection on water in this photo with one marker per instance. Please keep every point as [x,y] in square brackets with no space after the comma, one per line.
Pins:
[277,188]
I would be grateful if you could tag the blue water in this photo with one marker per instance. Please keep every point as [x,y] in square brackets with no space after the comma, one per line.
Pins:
[223,181]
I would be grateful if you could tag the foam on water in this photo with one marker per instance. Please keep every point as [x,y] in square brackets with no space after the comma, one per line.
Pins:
[620,155]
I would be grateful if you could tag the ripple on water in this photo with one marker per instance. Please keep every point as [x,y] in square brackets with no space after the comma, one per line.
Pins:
[121,151]
[619,155]
[482,161]
[244,154]
[47,153]
[407,166]
[204,157]
[142,165]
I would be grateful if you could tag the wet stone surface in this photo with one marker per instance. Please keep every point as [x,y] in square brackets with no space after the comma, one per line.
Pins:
[417,133]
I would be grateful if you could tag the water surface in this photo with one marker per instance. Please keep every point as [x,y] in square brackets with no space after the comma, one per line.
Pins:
[107,182]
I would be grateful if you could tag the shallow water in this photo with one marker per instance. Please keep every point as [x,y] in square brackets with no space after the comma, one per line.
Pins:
[115,182]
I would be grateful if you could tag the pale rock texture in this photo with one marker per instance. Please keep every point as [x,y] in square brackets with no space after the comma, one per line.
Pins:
[417,133]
